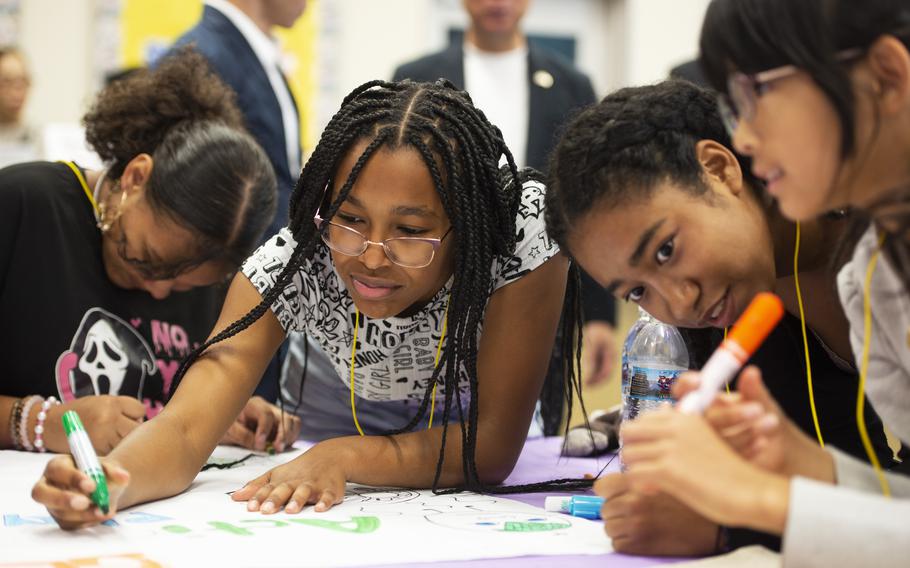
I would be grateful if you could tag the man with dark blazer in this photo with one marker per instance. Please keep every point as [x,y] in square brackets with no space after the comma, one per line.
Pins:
[555,88]
[512,77]
[235,37]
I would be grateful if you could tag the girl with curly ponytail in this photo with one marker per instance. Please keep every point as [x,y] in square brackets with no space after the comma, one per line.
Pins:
[108,278]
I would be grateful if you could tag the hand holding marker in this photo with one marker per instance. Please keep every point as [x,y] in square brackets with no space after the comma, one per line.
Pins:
[749,331]
[86,459]
[752,327]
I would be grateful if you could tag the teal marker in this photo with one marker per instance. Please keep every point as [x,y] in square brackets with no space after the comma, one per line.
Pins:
[86,459]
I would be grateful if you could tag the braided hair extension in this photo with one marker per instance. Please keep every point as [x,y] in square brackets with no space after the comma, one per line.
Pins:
[461,151]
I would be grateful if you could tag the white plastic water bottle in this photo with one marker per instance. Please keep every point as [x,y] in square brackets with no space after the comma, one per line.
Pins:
[626,369]
[657,357]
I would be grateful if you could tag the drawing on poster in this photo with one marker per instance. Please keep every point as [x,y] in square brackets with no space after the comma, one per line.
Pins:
[202,525]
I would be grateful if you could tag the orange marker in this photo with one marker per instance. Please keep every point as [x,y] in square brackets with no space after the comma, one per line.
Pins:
[752,327]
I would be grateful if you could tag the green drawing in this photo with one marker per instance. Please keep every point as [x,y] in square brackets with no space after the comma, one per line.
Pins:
[272,522]
[517,526]
[230,529]
[355,525]
[358,525]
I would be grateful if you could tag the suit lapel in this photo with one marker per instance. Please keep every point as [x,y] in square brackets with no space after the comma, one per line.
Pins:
[540,91]
[453,65]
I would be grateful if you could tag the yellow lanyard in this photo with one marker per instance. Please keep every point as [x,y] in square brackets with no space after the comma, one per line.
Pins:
[445,319]
[84,184]
[802,320]
[864,368]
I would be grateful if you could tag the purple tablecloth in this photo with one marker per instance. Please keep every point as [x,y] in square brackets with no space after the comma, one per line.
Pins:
[540,461]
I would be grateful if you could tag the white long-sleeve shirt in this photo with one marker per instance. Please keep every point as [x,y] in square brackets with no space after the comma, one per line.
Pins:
[851,523]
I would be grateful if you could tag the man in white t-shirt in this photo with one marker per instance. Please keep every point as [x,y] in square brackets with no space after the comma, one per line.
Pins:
[524,89]
[529,92]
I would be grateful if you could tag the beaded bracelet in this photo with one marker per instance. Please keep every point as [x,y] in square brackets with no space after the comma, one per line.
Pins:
[23,422]
[39,427]
[14,414]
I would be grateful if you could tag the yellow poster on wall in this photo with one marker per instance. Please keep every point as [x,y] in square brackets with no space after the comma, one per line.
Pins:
[149,27]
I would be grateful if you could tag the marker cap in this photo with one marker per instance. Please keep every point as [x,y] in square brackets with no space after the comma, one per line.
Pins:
[557,504]
[757,321]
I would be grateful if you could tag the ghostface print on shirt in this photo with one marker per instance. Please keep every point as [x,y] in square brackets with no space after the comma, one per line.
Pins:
[106,356]
[395,356]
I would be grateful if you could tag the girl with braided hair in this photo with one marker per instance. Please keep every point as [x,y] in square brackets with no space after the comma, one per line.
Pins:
[109,278]
[405,237]
[651,200]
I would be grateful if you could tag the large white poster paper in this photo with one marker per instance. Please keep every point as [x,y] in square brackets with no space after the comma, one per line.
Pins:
[203,527]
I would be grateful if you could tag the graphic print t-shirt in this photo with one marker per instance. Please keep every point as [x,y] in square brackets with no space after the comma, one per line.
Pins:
[65,329]
[395,356]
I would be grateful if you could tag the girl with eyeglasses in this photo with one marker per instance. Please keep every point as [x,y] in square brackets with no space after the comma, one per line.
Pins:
[424,272]
[689,234]
[817,94]
[109,278]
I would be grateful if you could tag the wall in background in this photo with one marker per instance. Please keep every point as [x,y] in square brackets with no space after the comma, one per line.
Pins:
[57,40]
[660,34]
[619,42]
[70,44]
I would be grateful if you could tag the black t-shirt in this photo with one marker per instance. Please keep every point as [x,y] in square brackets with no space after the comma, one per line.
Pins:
[65,329]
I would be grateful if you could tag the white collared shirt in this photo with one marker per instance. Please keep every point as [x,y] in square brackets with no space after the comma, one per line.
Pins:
[269,56]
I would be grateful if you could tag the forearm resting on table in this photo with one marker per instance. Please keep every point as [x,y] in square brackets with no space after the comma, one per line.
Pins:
[159,459]
[165,454]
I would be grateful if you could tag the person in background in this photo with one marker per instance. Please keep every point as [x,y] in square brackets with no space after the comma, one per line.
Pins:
[18,139]
[108,279]
[529,92]
[235,37]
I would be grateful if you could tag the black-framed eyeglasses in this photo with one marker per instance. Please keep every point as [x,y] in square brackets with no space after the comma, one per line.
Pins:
[409,252]
[744,89]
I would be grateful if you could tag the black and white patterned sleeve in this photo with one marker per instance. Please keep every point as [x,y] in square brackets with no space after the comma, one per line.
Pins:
[263,268]
[533,246]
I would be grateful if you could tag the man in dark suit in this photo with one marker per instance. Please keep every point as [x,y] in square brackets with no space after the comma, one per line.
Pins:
[529,93]
[235,37]
[553,88]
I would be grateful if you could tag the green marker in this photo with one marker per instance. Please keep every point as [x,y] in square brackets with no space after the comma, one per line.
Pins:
[86,459]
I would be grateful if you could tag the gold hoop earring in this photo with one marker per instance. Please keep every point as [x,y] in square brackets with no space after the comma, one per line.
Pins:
[103,223]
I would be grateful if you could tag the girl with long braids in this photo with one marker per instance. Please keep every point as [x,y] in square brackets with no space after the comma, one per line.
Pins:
[405,239]
[817,94]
